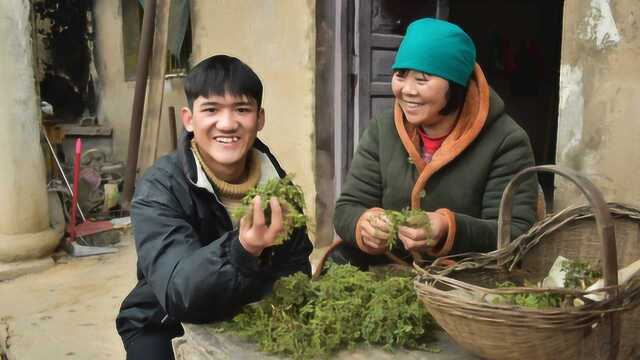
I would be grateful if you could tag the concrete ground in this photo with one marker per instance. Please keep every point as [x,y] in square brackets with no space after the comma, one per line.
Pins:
[68,311]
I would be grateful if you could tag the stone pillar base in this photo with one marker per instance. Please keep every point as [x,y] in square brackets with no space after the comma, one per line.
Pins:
[14,269]
[24,251]
[22,247]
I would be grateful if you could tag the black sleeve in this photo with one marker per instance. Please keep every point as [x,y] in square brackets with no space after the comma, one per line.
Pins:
[292,256]
[195,283]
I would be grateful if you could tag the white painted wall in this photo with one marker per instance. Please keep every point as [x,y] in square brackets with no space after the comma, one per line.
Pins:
[599,109]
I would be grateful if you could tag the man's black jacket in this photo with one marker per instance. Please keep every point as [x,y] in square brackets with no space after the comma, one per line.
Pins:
[191,266]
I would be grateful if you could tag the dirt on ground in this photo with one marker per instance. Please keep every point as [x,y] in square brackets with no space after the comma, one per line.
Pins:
[68,311]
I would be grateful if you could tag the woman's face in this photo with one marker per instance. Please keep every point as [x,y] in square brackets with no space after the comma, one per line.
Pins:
[421,96]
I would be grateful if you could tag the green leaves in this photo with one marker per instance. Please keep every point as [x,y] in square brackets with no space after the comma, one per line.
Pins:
[530,300]
[291,200]
[416,218]
[579,274]
[345,307]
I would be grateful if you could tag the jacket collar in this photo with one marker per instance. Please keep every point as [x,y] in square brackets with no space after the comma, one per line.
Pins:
[187,160]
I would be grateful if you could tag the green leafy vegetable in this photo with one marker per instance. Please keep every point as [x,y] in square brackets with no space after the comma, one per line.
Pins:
[416,218]
[579,274]
[531,300]
[309,319]
[291,200]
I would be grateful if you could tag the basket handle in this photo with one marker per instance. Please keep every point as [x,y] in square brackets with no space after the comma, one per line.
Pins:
[604,223]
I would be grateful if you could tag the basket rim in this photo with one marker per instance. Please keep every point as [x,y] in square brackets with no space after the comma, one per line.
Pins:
[516,249]
[627,295]
[426,284]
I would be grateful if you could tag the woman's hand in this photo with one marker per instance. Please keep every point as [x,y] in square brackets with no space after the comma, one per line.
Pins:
[255,235]
[419,239]
[375,231]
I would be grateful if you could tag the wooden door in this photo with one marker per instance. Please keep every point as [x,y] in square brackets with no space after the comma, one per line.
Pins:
[380,26]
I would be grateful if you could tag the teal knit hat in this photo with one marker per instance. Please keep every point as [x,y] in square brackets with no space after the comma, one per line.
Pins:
[438,48]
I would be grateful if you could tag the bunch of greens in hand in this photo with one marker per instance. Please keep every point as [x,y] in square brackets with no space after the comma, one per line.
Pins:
[290,198]
[416,218]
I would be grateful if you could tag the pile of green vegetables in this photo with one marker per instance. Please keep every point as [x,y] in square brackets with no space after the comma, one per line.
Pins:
[578,275]
[416,218]
[306,318]
[290,198]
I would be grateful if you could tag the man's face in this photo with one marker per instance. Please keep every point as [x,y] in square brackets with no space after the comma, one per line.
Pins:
[225,128]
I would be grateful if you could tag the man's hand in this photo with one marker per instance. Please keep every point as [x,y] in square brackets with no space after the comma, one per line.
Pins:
[255,235]
[375,231]
[418,239]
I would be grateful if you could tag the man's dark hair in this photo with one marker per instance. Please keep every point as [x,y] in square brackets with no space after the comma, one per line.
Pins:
[455,98]
[219,75]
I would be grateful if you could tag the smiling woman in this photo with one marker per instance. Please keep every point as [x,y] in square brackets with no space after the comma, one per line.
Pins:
[462,149]
[423,98]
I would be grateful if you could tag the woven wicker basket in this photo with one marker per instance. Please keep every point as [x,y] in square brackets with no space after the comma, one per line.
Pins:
[609,329]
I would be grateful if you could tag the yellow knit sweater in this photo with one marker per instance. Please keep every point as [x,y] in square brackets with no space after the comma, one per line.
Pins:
[231,194]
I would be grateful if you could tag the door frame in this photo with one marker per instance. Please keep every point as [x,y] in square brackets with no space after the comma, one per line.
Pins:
[337,117]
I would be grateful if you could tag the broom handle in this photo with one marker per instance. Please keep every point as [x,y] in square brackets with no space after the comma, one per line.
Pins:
[604,224]
[64,177]
[74,197]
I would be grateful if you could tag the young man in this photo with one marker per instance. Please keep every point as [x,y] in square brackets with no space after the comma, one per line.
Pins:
[194,264]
